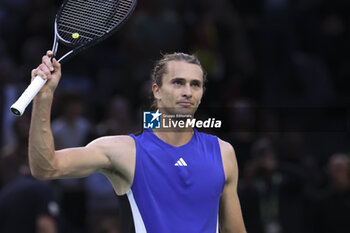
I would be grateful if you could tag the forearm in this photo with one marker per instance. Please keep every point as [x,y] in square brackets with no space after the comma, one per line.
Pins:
[41,142]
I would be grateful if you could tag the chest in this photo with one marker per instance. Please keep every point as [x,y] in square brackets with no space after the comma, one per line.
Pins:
[189,172]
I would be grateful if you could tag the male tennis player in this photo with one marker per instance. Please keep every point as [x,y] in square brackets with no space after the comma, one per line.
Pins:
[177,180]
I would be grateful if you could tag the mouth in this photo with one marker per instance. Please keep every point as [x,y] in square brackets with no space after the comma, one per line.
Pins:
[185,103]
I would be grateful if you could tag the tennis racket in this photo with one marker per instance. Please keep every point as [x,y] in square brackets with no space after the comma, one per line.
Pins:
[79,24]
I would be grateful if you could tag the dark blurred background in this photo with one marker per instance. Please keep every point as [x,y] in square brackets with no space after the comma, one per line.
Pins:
[275,68]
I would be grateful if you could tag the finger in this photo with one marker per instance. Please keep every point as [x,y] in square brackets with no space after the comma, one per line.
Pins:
[43,68]
[34,74]
[46,60]
[56,64]
[49,53]
[41,74]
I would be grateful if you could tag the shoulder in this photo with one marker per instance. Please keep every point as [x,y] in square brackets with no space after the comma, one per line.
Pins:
[121,152]
[205,137]
[226,148]
[121,140]
[112,144]
[228,159]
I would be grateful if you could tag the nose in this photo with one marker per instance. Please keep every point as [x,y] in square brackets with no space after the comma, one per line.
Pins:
[187,91]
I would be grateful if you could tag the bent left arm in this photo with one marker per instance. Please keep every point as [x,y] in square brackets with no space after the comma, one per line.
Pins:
[230,216]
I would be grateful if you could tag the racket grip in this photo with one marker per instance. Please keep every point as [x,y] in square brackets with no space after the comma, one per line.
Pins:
[28,95]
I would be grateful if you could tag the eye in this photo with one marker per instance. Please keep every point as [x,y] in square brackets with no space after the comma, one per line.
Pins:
[177,82]
[196,84]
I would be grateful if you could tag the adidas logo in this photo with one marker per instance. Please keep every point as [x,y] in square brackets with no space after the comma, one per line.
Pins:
[181,162]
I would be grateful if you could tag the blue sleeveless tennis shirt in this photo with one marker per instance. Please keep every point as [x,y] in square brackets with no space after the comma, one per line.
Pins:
[176,189]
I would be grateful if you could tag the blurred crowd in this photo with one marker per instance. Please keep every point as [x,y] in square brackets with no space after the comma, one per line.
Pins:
[266,60]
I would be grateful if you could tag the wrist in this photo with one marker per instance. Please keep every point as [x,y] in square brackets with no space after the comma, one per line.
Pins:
[44,95]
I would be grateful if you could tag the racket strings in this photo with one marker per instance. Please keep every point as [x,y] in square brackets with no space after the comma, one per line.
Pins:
[78,20]
[89,19]
[99,17]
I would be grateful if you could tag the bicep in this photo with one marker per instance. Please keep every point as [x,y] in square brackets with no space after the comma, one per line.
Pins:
[81,161]
[112,153]
[230,211]
[231,220]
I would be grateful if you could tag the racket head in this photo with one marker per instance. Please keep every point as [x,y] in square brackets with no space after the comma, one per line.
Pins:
[80,24]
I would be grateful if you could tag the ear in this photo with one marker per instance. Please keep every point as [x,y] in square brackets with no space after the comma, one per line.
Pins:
[156,90]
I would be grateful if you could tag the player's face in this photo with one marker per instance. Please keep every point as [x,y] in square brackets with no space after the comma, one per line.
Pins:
[182,88]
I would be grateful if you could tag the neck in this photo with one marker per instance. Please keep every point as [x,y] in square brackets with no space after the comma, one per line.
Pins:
[175,137]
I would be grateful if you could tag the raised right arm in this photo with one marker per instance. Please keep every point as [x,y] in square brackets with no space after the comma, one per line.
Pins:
[45,162]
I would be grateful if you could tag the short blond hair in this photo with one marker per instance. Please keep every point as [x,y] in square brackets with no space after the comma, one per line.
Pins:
[160,68]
